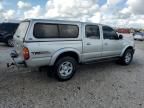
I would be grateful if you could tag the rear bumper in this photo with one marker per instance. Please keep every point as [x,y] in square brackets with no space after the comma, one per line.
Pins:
[34,62]
[17,61]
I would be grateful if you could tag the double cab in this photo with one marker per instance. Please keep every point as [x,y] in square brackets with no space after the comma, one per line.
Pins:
[64,44]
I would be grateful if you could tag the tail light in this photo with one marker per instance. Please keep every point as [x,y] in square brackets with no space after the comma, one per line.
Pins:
[26,53]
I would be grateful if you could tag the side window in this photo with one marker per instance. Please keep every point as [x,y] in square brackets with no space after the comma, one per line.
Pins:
[45,30]
[92,31]
[68,31]
[109,33]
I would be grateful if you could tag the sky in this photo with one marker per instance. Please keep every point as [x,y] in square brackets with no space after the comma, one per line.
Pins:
[116,13]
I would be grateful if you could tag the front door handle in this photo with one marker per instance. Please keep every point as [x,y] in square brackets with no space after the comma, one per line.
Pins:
[88,43]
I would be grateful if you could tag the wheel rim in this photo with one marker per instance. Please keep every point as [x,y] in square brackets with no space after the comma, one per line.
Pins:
[66,68]
[128,57]
[10,42]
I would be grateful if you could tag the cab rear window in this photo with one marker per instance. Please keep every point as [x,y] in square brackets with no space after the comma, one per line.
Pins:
[47,30]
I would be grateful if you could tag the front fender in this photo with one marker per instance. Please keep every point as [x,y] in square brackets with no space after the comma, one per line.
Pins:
[125,48]
[63,50]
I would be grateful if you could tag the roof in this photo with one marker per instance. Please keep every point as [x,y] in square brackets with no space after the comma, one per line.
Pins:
[55,20]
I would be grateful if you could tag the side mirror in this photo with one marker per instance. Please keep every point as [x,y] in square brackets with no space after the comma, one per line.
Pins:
[120,36]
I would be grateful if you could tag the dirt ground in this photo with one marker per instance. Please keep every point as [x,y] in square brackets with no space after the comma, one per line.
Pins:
[101,85]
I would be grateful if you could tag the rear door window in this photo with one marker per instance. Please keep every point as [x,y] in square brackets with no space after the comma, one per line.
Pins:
[47,30]
[92,31]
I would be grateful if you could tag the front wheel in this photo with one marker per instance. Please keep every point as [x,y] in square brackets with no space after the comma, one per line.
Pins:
[65,68]
[127,57]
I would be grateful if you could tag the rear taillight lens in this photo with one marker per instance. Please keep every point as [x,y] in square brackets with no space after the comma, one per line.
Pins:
[26,53]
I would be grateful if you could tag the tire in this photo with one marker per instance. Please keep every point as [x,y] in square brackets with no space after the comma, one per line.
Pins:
[127,57]
[65,68]
[10,42]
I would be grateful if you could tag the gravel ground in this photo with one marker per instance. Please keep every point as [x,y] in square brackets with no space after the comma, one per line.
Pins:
[102,85]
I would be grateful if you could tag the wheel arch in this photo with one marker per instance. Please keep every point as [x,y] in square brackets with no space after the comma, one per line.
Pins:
[65,52]
[127,47]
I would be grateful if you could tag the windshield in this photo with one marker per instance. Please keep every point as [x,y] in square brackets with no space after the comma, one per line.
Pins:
[21,31]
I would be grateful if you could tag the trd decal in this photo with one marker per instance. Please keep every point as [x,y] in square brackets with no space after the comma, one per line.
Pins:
[38,53]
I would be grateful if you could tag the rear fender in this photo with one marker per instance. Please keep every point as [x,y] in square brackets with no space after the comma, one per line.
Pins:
[63,50]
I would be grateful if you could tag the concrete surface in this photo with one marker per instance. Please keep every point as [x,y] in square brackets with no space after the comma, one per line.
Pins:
[102,85]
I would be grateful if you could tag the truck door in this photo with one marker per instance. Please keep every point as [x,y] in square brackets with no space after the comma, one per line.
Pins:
[112,45]
[92,43]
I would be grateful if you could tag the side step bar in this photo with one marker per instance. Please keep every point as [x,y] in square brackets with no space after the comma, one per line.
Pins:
[102,60]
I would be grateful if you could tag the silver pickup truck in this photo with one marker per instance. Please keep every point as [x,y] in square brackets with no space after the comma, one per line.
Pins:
[64,44]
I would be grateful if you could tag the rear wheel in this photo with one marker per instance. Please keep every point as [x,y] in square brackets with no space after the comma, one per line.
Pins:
[65,68]
[10,42]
